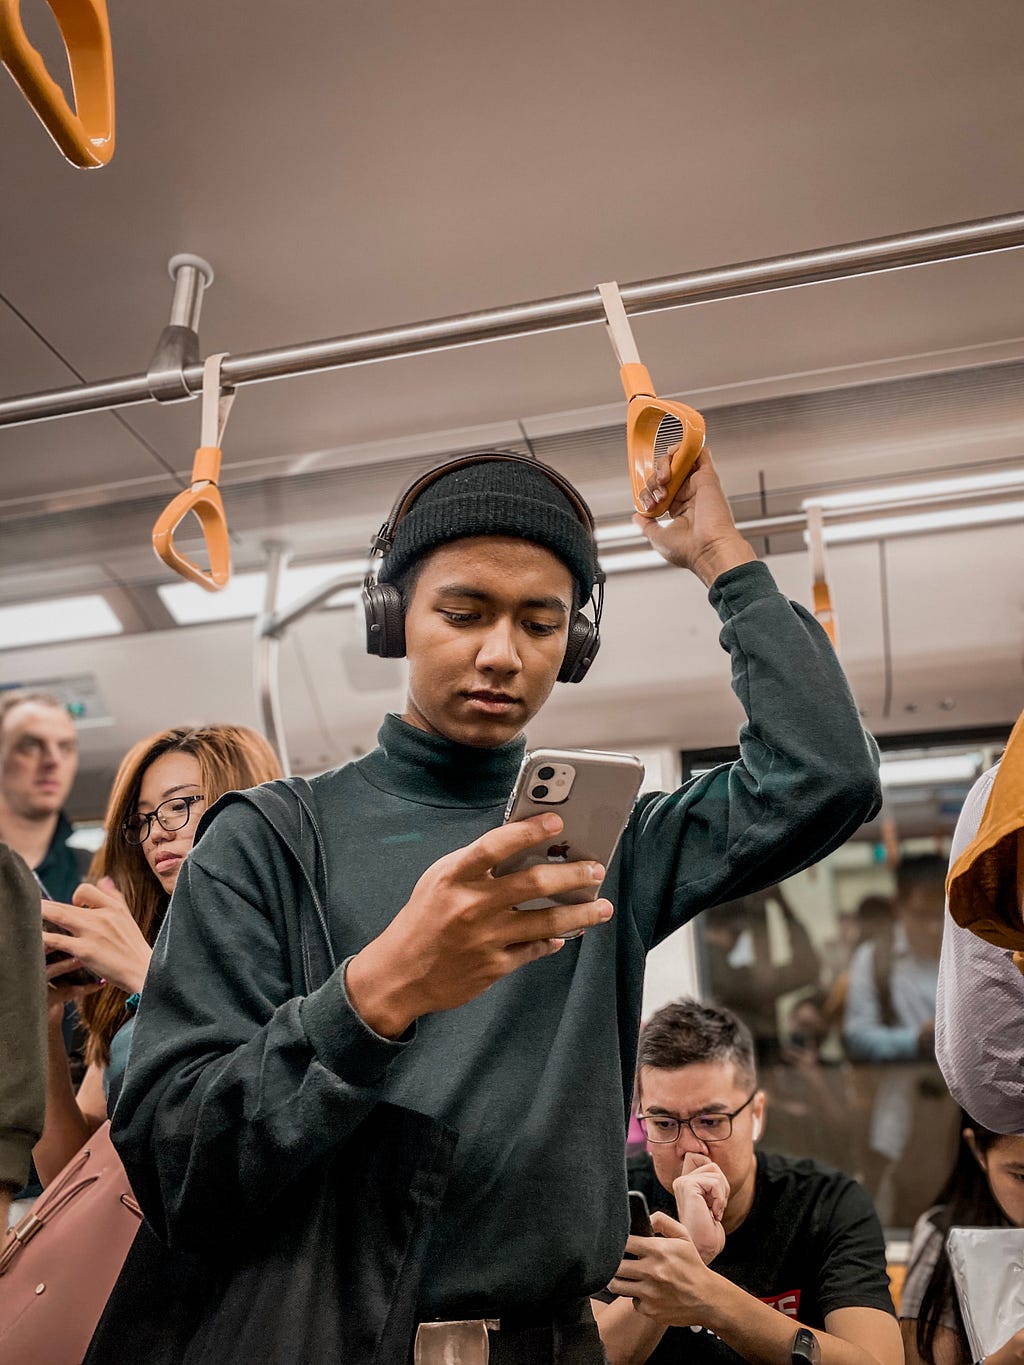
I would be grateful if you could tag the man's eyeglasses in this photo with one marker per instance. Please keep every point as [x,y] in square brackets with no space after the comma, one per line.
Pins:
[704,1127]
[171,815]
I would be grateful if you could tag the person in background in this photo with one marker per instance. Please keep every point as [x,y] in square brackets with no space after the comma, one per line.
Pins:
[890,1022]
[162,787]
[22,1031]
[760,1257]
[38,765]
[753,985]
[985,1189]
[872,920]
[810,1096]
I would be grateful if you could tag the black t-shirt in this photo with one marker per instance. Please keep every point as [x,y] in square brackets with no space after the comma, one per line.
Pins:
[811,1243]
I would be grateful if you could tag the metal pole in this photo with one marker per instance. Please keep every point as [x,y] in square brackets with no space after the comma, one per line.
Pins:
[544,315]
[266,663]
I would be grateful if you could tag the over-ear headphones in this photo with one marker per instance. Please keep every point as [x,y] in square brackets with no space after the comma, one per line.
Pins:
[382,602]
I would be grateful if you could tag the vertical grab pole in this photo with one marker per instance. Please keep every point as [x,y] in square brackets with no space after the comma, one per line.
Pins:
[267,657]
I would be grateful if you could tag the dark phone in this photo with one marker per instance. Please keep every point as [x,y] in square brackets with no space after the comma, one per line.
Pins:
[83,976]
[639,1216]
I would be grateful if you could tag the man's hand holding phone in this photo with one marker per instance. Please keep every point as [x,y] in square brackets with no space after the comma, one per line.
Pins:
[460,931]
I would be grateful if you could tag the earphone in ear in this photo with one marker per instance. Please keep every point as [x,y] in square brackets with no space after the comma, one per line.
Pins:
[757,1128]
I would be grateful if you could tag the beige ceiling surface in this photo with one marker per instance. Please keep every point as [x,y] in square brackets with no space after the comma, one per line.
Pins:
[352,166]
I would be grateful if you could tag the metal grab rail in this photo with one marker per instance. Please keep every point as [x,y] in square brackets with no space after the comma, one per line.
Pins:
[85,135]
[545,315]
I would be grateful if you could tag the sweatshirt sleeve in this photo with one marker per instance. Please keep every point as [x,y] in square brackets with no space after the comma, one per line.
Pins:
[236,1085]
[22,1019]
[806,778]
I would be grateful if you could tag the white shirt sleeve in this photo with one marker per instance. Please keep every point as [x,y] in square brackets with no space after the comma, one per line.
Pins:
[979,1017]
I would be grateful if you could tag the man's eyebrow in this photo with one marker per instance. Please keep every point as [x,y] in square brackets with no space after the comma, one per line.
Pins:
[717,1107]
[478,595]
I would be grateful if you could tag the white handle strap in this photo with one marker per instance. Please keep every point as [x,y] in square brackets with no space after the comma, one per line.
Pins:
[216,402]
[816,541]
[620,334]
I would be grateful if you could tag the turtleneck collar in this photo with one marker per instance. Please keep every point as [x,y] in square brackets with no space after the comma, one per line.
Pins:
[435,771]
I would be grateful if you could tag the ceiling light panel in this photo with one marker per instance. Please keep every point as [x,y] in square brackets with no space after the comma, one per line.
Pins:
[914,523]
[59,618]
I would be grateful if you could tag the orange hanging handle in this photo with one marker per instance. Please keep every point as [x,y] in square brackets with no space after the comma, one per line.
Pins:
[824,612]
[85,134]
[203,496]
[646,412]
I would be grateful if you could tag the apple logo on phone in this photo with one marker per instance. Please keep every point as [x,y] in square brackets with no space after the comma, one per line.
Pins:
[558,853]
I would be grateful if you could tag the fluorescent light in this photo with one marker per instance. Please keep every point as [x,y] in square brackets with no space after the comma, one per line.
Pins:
[633,559]
[926,490]
[905,772]
[192,605]
[912,523]
[618,533]
[60,618]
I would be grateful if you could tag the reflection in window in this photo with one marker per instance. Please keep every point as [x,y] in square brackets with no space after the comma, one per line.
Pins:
[835,973]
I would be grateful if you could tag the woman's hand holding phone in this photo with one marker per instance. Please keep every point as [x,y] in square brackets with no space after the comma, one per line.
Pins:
[99,933]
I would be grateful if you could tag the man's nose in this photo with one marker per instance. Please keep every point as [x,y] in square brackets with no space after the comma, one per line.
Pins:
[498,651]
[687,1141]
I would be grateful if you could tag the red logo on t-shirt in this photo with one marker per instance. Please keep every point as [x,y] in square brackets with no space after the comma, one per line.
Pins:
[785,1303]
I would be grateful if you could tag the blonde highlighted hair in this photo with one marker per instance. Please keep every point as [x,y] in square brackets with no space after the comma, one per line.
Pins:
[230,758]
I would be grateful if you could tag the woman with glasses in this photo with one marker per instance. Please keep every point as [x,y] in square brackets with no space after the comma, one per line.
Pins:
[163,787]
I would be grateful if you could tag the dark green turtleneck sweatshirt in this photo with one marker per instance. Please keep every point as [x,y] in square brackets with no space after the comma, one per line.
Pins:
[236,1083]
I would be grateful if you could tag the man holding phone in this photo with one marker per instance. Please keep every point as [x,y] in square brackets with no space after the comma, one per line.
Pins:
[756,1257]
[450,1001]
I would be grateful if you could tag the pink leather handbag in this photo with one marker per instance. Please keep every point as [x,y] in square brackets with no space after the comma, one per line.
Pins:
[61,1260]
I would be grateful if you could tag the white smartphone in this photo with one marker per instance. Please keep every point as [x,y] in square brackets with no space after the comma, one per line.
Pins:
[593,792]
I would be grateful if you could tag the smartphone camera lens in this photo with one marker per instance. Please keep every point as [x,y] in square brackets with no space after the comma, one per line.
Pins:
[539,793]
[545,774]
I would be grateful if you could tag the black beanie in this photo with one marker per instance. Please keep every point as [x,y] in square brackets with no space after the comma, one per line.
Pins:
[494,498]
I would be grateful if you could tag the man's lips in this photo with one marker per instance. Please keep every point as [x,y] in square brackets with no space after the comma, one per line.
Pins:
[492,701]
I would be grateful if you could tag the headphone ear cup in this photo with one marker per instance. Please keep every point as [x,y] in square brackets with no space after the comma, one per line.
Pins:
[385,621]
[580,650]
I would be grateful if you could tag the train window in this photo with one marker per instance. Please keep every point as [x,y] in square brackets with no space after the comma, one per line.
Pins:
[835,970]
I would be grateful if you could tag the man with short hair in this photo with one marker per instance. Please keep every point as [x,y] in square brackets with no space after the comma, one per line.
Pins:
[759,1257]
[38,764]
[450,1003]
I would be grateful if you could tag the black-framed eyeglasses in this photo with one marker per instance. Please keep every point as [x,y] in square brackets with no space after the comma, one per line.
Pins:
[171,815]
[704,1127]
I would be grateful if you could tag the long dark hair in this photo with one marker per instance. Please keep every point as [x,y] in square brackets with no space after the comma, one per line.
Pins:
[230,758]
[965,1201]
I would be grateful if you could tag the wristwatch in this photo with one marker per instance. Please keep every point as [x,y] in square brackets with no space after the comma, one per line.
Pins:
[805,1349]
